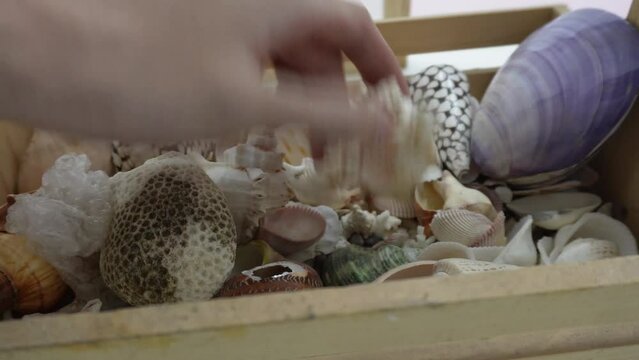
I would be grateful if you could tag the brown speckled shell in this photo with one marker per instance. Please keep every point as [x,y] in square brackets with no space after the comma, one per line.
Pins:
[242,284]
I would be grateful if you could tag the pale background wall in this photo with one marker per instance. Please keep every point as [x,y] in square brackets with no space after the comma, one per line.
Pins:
[482,58]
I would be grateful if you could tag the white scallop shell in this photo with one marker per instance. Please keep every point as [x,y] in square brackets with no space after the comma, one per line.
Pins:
[314,189]
[446,250]
[596,226]
[552,211]
[468,228]
[581,250]
[520,249]
[466,266]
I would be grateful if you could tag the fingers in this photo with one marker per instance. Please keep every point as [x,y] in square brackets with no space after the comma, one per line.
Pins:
[309,64]
[348,27]
[328,116]
[340,25]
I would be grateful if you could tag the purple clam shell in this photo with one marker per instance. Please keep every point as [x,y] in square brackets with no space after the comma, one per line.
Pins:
[562,93]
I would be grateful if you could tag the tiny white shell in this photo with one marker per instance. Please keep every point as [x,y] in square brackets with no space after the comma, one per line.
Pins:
[520,249]
[468,228]
[552,211]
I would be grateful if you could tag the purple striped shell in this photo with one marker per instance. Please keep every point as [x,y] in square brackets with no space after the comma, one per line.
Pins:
[563,92]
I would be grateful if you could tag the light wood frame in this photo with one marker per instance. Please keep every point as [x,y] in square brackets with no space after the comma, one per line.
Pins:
[559,312]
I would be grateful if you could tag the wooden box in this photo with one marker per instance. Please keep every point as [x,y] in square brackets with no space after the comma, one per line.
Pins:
[559,312]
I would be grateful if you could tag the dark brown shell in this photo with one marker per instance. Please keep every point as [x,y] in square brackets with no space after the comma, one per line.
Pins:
[274,277]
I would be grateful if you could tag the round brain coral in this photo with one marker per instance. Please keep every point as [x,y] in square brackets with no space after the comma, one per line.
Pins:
[172,237]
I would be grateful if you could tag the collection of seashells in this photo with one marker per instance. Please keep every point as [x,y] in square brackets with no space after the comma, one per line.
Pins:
[460,187]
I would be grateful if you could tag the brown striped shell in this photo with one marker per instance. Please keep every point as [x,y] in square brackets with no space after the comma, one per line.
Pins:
[274,277]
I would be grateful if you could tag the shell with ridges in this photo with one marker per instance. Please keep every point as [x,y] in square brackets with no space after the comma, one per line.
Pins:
[596,226]
[581,250]
[28,284]
[561,94]
[468,228]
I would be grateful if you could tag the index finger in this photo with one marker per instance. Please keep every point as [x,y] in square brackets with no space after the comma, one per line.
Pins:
[349,27]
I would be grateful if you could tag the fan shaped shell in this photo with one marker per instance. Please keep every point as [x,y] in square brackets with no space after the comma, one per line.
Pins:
[562,93]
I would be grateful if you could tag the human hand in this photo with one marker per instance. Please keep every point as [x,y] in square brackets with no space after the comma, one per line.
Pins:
[163,71]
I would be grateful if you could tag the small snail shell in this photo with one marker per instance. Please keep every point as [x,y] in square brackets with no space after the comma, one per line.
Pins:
[28,284]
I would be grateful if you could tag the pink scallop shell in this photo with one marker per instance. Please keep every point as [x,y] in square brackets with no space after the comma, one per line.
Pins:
[468,228]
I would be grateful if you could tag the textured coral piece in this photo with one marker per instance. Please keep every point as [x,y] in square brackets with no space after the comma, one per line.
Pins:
[172,237]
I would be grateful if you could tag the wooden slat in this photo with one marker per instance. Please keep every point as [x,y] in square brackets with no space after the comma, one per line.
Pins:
[479,81]
[396,8]
[421,35]
[543,304]
[633,15]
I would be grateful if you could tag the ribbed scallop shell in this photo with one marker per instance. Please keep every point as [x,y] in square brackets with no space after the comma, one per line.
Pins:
[38,286]
[581,250]
[595,226]
[355,264]
[466,266]
[561,94]
[468,228]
